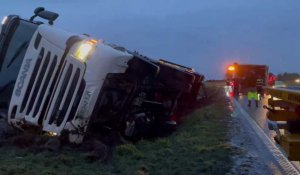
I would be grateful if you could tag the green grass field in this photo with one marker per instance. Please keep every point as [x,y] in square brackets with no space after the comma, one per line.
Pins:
[200,146]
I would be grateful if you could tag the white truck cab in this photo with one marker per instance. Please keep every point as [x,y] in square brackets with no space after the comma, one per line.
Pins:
[60,75]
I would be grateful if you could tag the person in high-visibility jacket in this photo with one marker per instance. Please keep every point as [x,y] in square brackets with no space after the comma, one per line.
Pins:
[252,91]
[252,95]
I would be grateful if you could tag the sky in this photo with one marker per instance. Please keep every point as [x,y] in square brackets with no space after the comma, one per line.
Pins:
[207,35]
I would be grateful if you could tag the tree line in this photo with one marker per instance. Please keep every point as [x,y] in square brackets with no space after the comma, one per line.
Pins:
[287,76]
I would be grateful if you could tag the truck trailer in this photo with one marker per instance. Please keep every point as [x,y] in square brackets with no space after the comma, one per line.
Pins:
[64,83]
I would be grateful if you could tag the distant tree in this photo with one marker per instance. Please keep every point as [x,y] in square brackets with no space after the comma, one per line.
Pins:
[279,77]
[288,76]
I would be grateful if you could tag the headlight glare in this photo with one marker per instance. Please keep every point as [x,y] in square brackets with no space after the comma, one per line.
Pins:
[84,50]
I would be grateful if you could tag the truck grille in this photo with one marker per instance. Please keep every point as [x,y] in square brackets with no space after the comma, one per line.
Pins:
[54,90]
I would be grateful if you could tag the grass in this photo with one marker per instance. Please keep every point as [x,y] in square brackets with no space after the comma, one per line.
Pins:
[198,147]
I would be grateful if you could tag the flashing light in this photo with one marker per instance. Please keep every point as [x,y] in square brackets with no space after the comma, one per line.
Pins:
[297,81]
[84,49]
[231,68]
[4,20]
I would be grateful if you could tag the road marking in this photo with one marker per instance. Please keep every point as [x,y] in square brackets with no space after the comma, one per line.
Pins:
[285,164]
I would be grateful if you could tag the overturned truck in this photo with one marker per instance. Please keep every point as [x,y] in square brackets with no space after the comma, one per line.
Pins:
[63,83]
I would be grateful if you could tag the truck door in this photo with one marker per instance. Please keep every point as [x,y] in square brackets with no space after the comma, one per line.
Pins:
[15,37]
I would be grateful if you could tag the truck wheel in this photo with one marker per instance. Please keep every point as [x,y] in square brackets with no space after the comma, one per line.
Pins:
[132,132]
[139,128]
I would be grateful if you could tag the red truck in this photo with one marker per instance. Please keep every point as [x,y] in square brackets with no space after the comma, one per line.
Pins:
[240,77]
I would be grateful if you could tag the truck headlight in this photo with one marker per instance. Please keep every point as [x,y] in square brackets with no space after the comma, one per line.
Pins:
[84,49]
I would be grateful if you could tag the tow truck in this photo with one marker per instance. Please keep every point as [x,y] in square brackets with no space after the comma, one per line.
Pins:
[284,115]
[63,83]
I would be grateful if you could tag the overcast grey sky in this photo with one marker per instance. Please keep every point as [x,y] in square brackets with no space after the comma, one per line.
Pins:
[204,34]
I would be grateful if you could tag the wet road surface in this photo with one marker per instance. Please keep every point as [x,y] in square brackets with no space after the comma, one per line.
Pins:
[258,114]
[261,142]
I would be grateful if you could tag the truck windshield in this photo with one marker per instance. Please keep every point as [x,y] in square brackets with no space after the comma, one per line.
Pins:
[12,50]
[16,43]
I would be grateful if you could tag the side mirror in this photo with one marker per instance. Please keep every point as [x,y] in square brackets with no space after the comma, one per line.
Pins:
[42,13]
[50,16]
[38,10]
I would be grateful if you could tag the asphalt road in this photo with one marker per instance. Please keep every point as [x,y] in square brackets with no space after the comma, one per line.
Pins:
[255,123]
[258,114]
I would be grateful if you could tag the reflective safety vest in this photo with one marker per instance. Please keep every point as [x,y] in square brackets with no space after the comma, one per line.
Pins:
[252,95]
